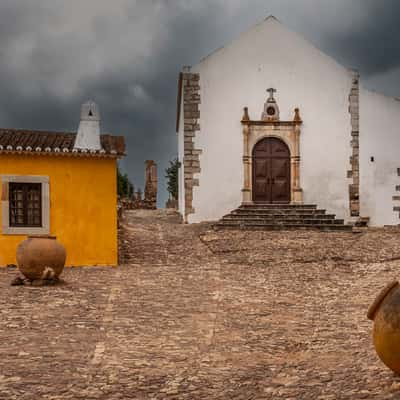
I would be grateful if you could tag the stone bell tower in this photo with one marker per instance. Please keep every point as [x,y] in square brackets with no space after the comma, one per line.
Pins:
[88,136]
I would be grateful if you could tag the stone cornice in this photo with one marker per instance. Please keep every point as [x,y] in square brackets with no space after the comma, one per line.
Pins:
[271,123]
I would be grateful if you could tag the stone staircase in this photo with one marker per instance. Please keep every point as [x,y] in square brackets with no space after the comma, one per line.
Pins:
[280,217]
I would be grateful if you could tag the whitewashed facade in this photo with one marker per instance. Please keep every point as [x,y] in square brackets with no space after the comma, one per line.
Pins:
[348,137]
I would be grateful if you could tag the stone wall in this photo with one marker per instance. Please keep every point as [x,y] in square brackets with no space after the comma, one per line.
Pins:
[396,198]
[191,115]
[354,172]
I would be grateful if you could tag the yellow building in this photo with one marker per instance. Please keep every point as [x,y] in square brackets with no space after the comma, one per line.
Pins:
[62,184]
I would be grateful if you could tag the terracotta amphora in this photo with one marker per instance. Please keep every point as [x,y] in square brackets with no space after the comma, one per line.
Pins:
[41,257]
[385,312]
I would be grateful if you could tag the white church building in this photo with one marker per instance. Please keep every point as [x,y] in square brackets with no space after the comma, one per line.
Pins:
[271,119]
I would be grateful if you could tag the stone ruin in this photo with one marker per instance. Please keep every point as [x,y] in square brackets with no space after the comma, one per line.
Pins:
[149,200]
[172,204]
[150,189]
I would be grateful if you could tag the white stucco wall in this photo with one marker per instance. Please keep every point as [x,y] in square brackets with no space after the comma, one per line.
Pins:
[270,55]
[379,138]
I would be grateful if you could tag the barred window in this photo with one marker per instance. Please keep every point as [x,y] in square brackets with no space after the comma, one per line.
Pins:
[25,204]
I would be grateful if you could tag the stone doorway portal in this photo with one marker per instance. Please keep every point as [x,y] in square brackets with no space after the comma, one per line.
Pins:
[271,171]
[271,157]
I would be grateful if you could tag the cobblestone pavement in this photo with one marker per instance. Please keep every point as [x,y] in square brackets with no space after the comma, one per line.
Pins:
[197,314]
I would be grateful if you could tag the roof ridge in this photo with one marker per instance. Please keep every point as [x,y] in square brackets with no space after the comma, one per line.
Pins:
[20,130]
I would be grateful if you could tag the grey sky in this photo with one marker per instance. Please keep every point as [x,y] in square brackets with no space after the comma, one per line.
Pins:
[126,55]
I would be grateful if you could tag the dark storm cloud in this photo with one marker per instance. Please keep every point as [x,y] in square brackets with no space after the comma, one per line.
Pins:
[127,62]
[374,46]
[126,56]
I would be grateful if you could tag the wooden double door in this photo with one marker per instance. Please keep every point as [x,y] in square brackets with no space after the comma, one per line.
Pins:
[271,171]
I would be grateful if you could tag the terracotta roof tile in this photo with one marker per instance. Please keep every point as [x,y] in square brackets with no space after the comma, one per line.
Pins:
[21,140]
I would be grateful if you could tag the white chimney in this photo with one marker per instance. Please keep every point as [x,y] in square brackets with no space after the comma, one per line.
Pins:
[88,136]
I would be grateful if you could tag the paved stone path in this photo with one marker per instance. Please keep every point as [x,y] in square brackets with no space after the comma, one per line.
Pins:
[196,314]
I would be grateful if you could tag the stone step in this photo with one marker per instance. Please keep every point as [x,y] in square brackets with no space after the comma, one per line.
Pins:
[277,216]
[277,205]
[282,219]
[280,216]
[277,211]
[266,227]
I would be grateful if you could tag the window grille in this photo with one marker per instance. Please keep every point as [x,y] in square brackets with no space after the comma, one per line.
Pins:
[25,204]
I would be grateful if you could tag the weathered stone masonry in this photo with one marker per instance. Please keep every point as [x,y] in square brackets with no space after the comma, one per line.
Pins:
[150,189]
[354,172]
[191,115]
[396,198]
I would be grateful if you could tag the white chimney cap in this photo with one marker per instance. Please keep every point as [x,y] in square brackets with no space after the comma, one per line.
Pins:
[88,136]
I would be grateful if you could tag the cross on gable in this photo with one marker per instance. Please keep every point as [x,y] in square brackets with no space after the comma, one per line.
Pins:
[271,92]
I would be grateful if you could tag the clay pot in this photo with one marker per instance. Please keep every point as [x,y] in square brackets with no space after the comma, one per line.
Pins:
[41,257]
[385,312]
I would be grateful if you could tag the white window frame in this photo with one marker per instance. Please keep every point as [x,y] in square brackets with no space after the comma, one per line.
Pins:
[5,206]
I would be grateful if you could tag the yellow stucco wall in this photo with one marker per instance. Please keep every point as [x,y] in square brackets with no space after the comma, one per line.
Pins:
[82,206]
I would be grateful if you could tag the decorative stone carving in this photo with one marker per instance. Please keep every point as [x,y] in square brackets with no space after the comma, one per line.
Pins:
[271,109]
[245,117]
[297,117]
[288,132]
